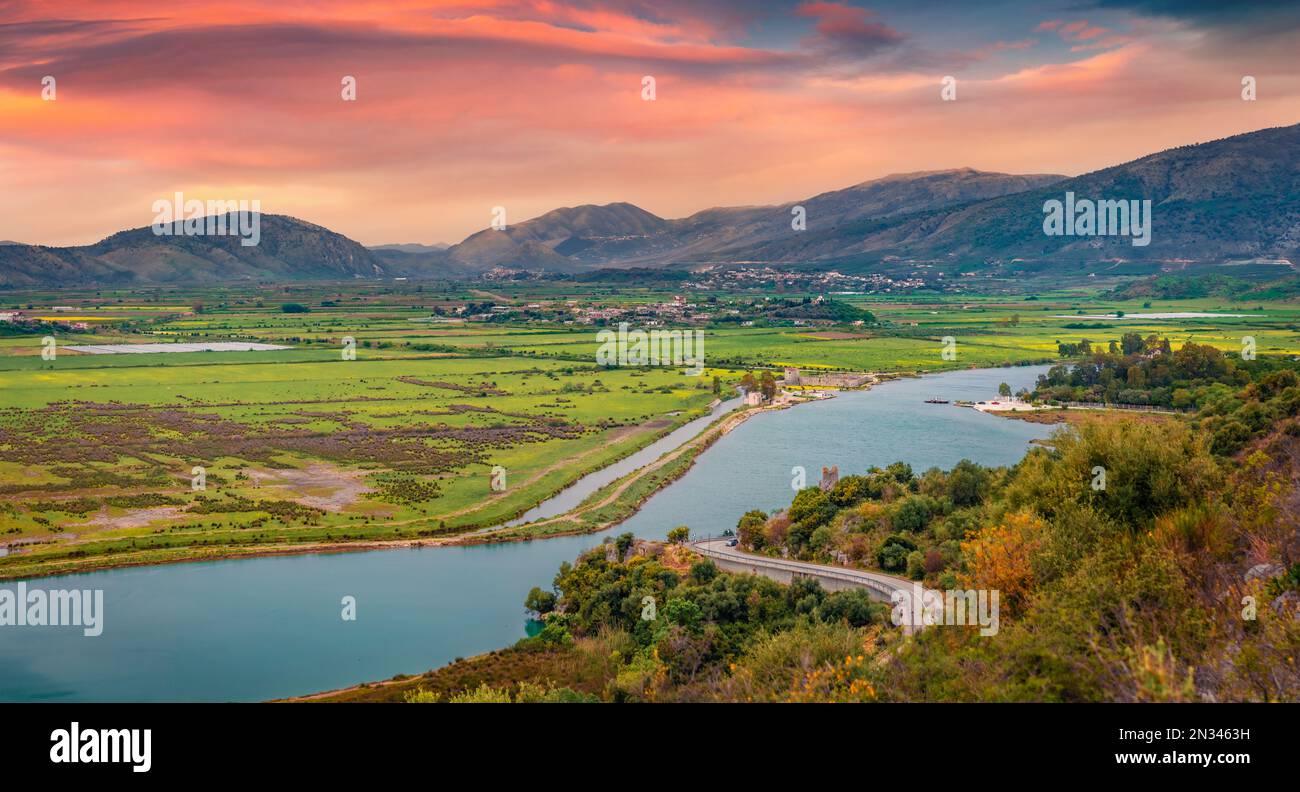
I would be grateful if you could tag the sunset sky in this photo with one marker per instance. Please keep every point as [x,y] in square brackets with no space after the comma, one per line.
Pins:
[535,105]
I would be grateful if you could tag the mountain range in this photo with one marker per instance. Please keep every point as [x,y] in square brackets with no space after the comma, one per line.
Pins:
[1227,200]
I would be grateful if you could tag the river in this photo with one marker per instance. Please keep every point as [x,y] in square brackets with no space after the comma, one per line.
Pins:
[260,628]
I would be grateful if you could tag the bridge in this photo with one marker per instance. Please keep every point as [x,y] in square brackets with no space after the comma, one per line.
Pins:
[783,570]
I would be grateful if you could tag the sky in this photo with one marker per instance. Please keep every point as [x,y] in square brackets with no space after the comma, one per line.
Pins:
[532,105]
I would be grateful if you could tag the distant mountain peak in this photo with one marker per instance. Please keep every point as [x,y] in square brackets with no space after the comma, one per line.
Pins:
[962,215]
[412,247]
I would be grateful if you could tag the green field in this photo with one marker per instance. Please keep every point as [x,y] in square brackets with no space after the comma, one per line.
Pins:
[304,447]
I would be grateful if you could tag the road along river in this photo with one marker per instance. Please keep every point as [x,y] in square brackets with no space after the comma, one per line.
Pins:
[261,628]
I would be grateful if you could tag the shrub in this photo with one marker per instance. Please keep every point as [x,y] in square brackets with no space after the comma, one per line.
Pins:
[916,565]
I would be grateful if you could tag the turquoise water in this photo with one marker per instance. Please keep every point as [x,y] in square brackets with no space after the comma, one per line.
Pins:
[269,627]
[575,494]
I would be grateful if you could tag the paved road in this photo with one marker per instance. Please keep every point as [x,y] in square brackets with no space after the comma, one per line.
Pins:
[782,570]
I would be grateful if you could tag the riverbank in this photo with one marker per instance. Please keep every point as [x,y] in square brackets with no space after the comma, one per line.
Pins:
[619,500]
[1083,416]
[585,666]
[604,509]
[535,662]
[262,628]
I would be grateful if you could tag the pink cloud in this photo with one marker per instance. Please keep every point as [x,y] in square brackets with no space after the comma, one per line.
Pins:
[848,29]
[534,105]
[1080,31]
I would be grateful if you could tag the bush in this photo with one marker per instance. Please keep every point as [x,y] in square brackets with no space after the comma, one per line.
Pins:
[892,556]
[821,538]
[914,513]
[933,561]
[853,607]
[703,571]
[811,506]
[852,489]
[1230,437]
[916,565]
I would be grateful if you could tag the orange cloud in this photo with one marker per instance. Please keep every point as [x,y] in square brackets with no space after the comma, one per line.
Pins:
[532,105]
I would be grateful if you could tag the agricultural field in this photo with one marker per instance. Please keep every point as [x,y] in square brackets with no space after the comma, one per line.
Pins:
[153,455]
[135,458]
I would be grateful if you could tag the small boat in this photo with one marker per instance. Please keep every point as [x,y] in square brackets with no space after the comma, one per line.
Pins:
[936,401]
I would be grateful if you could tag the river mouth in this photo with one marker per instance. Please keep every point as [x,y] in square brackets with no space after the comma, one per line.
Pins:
[254,629]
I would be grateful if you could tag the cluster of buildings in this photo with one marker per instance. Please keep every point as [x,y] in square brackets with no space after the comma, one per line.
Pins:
[831,379]
[675,311]
[794,378]
[23,318]
[831,281]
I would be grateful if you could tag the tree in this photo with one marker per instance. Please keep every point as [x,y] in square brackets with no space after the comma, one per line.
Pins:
[294,308]
[900,472]
[775,531]
[622,544]
[812,506]
[1004,390]
[750,529]
[1200,361]
[539,601]
[767,384]
[1001,557]
[1275,382]
[683,613]
[679,535]
[912,514]
[967,484]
